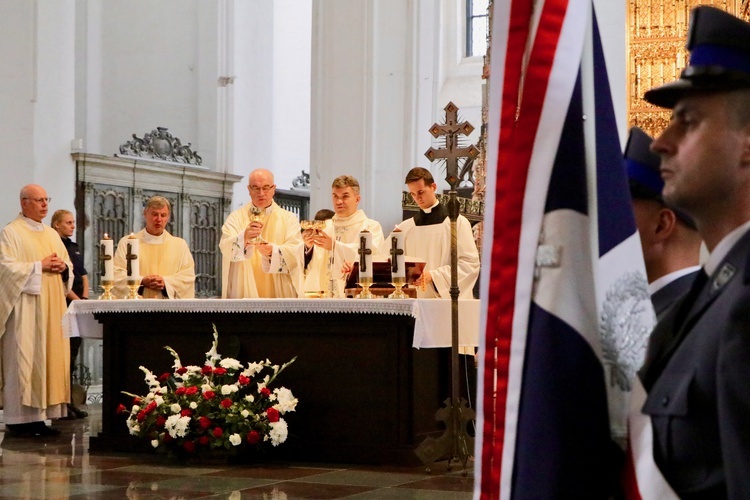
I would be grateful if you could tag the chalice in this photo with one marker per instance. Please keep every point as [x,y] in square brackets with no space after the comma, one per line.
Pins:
[257,215]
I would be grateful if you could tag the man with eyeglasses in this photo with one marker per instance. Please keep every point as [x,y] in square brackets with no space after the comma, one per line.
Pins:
[260,252]
[35,356]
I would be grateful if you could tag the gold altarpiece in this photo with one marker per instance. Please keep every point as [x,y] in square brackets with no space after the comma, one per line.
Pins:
[656,33]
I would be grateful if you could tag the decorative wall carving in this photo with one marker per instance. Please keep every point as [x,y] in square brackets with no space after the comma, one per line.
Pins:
[656,32]
[159,144]
[111,195]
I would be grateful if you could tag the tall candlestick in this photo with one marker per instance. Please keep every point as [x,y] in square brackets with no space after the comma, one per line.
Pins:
[365,254]
[132,257]
[106,252]
[398,264]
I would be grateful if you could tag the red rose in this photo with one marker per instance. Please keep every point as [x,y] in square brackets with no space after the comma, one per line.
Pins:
[160,420]
[167,438]
[244,380]
[186,412]
[182,370]
[204,422]
[206,370]
[164,377]
[203,440]
[141,416]
[121,408]
[265,391]
[189,446]
[209,394]
[191,390]
[218,432]
[180,391]
[253,437]
[272,414]
[220,370]
[226,403]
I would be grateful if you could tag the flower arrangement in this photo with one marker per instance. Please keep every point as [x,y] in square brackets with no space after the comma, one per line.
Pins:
[221,405]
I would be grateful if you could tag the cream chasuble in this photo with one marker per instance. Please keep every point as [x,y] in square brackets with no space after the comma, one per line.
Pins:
[31,310]
[246,273]
[345,233]
[165,255]
[433,244]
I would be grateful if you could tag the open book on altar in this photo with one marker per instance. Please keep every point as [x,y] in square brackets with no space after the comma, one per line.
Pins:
[381,272]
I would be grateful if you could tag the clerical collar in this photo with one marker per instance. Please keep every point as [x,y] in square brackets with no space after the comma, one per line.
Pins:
[33,225]
[429,210]
[152,239]
[436,214]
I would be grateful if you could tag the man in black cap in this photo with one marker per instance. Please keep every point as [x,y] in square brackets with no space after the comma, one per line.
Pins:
[697,369]
[670,242]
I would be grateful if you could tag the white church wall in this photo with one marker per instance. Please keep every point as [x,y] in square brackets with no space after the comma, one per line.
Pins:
[36,101]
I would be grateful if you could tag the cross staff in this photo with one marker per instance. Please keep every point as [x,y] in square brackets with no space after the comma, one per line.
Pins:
[451,153]
[130,257]
[395,252]
[362,251]
[103,257]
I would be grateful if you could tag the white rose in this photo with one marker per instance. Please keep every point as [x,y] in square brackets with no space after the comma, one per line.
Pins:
[245,413]
[175,408]
[228,389]
[235,439]
[155,443]
[193,405]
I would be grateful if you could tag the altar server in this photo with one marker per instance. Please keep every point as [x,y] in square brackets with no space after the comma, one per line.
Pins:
[327,251]
[167,269]
[427,236]
[261,258]
[36,274]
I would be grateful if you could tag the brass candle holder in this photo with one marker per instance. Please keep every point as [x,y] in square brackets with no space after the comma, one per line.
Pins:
[398,293]
[107,286]
[365,283]
[133,286]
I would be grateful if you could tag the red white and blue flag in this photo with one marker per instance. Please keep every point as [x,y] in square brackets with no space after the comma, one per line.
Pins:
[567,308]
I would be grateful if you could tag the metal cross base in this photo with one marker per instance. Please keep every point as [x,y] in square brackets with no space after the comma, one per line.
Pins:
[455,443]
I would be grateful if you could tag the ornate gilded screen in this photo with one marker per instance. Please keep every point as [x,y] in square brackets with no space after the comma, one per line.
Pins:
[656,51]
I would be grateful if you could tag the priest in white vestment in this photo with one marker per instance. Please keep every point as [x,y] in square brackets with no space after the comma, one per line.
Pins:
[271,267]
[327,251]
[166,266]
[36,274]
[427,236]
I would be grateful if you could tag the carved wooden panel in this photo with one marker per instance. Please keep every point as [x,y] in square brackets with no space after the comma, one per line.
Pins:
[205,232]
[656,32]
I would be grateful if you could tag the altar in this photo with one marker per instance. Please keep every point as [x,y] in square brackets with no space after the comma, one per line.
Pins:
[367,377]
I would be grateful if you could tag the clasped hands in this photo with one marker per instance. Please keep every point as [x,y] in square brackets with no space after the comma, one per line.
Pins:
[313,237]
[53,264]
[253,231]
[153,282]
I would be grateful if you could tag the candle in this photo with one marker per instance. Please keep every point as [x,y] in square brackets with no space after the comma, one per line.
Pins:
[365,254]
[106,251]
[132,255]
[398,263]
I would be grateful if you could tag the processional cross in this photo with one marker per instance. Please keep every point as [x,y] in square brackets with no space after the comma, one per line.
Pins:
[130,256]
[363,251]
[455,443]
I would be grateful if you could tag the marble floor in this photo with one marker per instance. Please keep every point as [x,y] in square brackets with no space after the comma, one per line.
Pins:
[63,468]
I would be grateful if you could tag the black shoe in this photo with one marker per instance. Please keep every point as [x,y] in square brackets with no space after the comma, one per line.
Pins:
[30,429]
[74,412]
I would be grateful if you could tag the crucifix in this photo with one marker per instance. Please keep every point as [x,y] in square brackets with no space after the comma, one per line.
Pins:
[129,257]
[395,252]
[455,443]
[363,251]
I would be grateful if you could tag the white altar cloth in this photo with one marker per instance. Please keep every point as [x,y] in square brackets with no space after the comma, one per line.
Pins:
[432,326]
